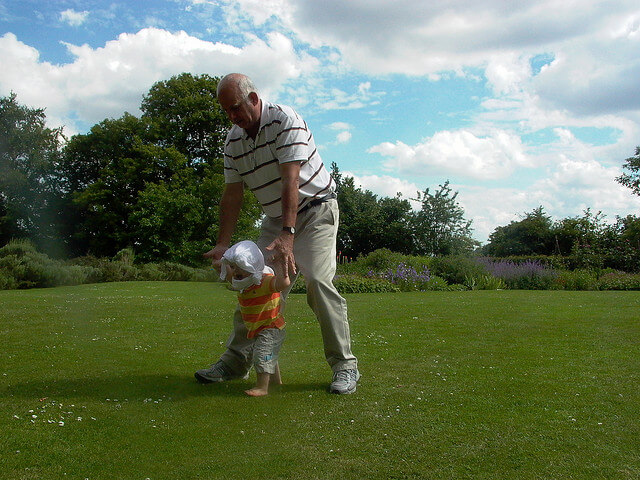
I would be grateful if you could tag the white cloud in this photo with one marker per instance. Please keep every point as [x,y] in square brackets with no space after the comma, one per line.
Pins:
[343,137]
[461,153]
[340,126]
[385,185]
[107,81]
[74,18]
[596,43]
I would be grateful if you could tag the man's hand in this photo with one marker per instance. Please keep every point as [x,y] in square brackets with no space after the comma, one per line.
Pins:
[215,254]
[282,249]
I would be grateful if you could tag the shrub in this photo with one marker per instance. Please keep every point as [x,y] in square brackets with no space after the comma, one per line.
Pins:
[619,281]
[485,282]
[576,280]
[175,271]
[359,284]
[352,284]
[528,275]
[405,277]
[7,282]
[457,269]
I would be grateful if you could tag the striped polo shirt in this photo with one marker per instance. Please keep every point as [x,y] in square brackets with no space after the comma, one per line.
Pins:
[283,137]
[260,306]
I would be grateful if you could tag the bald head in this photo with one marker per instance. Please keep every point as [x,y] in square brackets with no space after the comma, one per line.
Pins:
[238,83]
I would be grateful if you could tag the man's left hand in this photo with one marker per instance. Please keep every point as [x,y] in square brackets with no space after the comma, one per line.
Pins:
[282,249]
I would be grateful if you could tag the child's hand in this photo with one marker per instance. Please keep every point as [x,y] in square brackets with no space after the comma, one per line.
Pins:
[217,265]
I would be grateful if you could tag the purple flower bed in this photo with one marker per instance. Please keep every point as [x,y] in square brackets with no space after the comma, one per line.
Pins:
[406,277]
[529,274]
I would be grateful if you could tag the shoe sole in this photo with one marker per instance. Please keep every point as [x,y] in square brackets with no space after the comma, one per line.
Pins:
[346,392]
[341,392]
[203,379]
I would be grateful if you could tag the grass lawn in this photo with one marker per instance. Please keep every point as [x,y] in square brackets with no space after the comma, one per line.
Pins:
[96,381]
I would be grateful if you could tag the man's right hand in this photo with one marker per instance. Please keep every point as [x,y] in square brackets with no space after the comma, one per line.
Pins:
[215,254]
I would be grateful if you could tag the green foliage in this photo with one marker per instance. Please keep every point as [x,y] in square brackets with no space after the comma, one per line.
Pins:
[576,280]
[23,267]
[29,193]
[184,113]
[439,227]
[531,235]
[457,269]
[619,281]
[369,223]
[631,179]
[358,284]
[351,284]
[484,282]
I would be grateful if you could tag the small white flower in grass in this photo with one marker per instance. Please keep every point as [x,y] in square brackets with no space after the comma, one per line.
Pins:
[61,423]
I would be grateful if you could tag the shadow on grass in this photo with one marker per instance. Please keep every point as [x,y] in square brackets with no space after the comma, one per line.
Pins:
[140,387]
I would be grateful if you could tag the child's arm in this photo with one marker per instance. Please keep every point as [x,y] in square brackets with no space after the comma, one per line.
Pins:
[282,280]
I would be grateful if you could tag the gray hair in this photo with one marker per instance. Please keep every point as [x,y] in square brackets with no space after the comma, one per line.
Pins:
[244,84]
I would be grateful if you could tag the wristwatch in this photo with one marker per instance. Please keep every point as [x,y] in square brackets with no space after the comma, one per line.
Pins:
[291,230]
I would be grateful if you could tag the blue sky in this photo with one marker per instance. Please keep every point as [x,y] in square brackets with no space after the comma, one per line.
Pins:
[517,105]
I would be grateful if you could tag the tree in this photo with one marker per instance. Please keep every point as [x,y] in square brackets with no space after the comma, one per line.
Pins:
[368,223]
[184,113]
[632,179]
[104,171]
[152,183]
[530,236]
[439,227]
[29,153]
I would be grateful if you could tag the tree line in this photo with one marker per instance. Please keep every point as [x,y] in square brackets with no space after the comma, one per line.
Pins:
[153,183]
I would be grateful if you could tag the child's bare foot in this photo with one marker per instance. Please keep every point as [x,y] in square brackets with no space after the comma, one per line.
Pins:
[257,392]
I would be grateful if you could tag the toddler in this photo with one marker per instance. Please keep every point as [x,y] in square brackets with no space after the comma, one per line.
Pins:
[259,289]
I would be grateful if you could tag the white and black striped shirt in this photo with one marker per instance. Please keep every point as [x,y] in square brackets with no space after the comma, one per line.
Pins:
[283,137]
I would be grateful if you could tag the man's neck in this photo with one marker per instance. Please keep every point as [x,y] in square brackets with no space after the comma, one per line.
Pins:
[253,131]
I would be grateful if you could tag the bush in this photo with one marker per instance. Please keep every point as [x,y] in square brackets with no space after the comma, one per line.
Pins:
[457,269]
[7,282]
[352,284]
[528,275]
[382,260]
[485,282]
[576,280]
[407,278]
[619,281]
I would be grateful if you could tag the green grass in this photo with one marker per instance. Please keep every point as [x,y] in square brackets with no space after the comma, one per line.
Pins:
[456,385]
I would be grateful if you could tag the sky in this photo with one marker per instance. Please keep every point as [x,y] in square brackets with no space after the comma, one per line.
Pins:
[516,104]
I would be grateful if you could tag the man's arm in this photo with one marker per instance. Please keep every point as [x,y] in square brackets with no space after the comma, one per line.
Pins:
[282,246]
[230,206]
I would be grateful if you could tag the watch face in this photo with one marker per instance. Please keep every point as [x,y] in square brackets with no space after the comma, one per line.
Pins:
[291,230]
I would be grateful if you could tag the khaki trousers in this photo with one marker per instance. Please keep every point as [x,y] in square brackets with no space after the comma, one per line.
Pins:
[315,253]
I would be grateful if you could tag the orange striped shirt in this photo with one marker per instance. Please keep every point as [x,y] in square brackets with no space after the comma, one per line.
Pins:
[260,306]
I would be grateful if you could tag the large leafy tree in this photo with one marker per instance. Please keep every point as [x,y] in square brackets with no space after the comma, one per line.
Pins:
[631,179]
[153,183]
[531,235]
[29,154]
[104,172]
[184,113]
[439,227]
[369,223]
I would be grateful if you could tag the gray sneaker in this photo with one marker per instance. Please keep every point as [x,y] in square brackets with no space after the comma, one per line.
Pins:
[344,381]
[218,372]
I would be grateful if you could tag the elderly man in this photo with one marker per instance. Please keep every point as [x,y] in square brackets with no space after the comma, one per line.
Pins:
[271,151]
